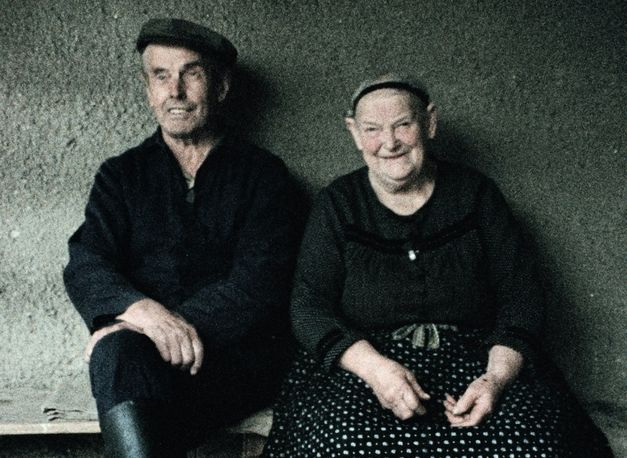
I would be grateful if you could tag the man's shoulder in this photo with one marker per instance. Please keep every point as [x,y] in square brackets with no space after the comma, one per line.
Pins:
[249,155]
[135,155]
[248,166]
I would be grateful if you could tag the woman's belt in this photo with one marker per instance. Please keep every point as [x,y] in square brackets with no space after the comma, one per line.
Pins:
[423,335]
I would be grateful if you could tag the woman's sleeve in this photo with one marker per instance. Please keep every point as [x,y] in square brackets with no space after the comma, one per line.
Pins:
[512,275]
[318,285]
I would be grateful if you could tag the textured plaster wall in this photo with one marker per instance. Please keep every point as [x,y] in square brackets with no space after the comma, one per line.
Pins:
[531,92]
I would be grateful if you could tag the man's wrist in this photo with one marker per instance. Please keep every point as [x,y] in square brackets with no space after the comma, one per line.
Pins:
[136,309]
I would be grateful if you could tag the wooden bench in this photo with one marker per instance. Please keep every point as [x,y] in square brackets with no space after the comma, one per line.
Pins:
[21,414]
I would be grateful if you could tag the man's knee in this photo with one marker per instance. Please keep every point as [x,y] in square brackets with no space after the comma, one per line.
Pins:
[126,365]
[120,347]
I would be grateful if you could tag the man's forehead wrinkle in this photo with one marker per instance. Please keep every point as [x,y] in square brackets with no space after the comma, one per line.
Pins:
[160,66]
[195,63]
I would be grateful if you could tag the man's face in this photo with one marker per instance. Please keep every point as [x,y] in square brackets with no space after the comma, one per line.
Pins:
[180,90]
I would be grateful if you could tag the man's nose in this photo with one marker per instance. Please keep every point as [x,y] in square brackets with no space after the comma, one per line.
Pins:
[177,88]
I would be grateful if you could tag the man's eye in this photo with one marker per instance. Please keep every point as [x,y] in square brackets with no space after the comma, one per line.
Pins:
[193,74]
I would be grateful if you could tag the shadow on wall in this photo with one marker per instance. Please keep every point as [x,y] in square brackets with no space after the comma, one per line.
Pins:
[244,110]
[475,150]
[450,145]
[574,339]
[249,100]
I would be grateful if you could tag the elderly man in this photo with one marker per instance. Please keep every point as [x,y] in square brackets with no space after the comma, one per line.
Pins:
[182,267]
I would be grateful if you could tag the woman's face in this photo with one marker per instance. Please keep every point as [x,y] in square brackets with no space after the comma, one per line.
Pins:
[390,128]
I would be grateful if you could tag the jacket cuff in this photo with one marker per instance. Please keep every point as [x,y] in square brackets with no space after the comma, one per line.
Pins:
[517,339]
[334,347]
[116,306]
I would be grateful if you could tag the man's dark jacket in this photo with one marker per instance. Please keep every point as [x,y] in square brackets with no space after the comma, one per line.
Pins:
[221,254]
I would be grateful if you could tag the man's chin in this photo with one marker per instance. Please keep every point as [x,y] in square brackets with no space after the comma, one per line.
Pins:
[177,135]
[182,134]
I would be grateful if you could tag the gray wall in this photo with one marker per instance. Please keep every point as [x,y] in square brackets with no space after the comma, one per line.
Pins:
[530,92]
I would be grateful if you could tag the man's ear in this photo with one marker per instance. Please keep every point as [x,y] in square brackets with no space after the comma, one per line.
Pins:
[432,120]
[351,125]
[143,73]
[224,86]
[144,78]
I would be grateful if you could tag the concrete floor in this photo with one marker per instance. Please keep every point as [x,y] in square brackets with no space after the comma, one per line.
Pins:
[91,446]
[612,420]
[84,446]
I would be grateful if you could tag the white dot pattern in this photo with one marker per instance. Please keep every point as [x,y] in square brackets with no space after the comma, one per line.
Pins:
[335,414]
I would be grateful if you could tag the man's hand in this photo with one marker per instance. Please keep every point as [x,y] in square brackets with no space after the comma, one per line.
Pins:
[476,403]
[392,383]
[177,341]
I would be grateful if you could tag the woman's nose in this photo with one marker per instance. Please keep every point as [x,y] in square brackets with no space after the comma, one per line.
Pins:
[389,140]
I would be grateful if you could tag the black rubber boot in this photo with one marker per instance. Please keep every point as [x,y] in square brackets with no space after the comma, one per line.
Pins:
[140,429]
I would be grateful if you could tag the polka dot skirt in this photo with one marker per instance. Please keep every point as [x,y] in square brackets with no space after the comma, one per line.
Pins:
[335,414]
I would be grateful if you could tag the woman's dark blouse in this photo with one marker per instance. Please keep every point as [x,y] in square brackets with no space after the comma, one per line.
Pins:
[471,265]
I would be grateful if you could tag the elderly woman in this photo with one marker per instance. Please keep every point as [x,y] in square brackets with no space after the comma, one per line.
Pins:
[417,305]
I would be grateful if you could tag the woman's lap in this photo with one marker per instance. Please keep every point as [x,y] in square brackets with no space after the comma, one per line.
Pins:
[336,414]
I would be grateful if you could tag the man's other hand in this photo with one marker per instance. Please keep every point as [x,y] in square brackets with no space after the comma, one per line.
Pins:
[176,339]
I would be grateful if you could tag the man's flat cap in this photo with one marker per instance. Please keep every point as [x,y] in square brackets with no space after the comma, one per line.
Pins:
[389,81]
[196,37]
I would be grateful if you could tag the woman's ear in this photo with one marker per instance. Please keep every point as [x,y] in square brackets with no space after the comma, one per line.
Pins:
[432,120]
[351,125]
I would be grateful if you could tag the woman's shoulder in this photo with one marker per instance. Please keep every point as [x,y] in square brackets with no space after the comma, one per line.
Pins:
[348,182]
[460,181]
[462,174]
[346,188]
[346,199]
